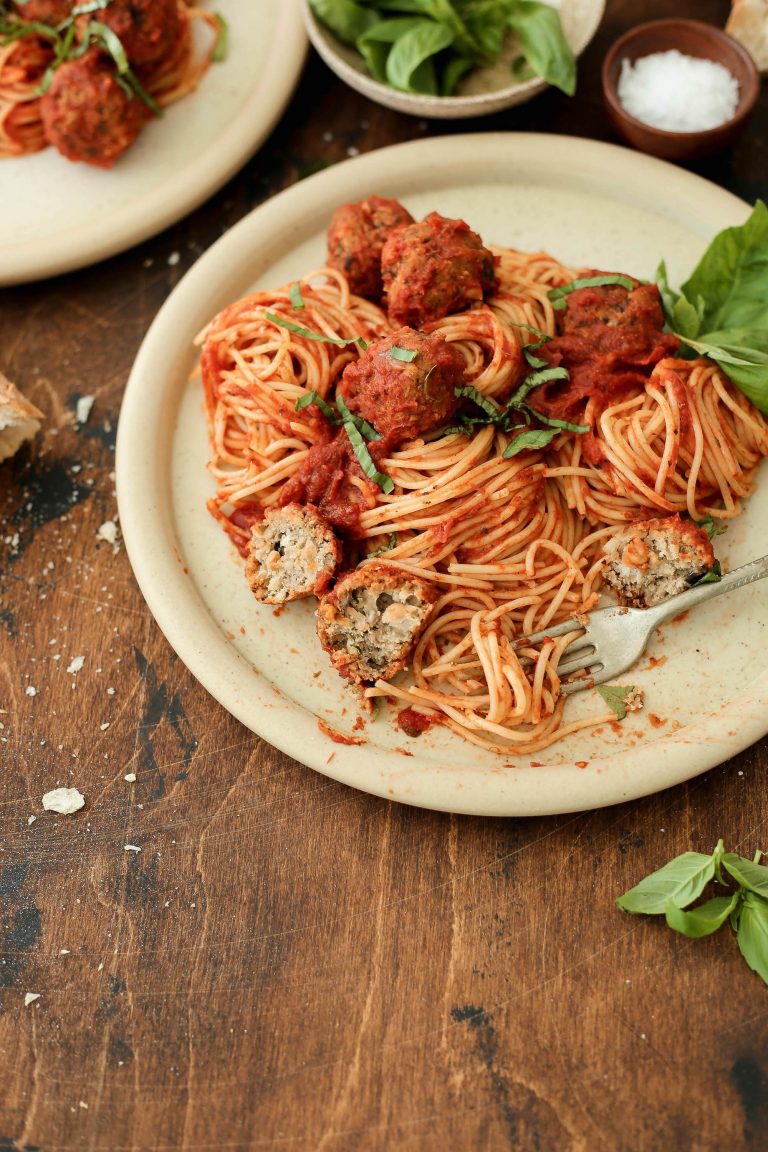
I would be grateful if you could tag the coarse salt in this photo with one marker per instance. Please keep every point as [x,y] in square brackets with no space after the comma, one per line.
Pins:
[678,93]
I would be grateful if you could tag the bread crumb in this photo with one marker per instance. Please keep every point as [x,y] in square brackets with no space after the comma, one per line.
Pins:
[130,777]
[83,408]
[131,848]
[76,664]
[30,997]
[65,801]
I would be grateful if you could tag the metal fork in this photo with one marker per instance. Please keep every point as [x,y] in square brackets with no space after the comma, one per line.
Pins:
[614,638]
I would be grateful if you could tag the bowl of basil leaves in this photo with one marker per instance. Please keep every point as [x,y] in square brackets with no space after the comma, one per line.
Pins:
[452,58]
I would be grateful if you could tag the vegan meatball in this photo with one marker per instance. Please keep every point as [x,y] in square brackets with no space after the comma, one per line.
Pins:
[356,237]
[50,12]
[651,560]
[609,338]
[292,554]
[370,622]
[148,29]
[404,383]
[433,268]
[87,114]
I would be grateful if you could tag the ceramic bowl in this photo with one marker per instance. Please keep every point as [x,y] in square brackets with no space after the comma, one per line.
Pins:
[691,38]
[483,91]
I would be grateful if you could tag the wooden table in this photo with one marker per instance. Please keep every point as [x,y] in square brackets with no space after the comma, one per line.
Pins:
[288,963]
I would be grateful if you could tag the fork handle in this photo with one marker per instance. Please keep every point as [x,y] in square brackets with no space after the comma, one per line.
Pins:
[746,574]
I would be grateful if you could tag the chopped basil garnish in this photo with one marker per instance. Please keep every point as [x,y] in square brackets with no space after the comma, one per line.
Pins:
[222,39]
[615,696]
[406,354]
[531,438]
[297,300]
[308,335]
[315,398]
[710,527]
[557,295]
[360,449]
[488,406]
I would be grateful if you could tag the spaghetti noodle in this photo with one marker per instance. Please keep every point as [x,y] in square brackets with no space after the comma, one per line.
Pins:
[510,539]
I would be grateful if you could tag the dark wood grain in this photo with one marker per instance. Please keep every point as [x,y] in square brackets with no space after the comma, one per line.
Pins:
[288,963]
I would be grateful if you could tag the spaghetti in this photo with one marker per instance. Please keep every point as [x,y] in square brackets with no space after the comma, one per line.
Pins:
[36,60]
[510,538]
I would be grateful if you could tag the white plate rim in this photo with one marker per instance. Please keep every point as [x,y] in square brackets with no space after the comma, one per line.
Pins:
[142,465]
[162,204]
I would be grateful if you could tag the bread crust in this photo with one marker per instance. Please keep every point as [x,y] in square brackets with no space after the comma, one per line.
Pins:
[19,419]
[748,23]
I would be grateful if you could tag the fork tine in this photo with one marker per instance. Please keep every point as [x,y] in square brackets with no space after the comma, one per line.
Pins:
[552,633]
[584,657]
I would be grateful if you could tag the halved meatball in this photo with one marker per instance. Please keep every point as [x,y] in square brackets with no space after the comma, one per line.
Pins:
[372,619]
[404,383]
[293,553]
[356,237]
[651,560]
[433,268]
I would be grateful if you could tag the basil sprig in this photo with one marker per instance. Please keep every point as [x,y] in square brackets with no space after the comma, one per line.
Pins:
[720,311]
[673,891]
[427,46]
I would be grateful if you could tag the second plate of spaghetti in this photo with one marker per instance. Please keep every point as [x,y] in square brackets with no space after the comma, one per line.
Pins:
[545,208]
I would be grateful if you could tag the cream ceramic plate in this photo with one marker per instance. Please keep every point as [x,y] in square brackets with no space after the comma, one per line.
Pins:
[57,216]
[588,203]
[480,92]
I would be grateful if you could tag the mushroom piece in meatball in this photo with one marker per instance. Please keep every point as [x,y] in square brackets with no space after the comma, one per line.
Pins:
[87,114]
[371,621]
[356,237]
[651,560]
[404,384]
[292,554]
[433,268]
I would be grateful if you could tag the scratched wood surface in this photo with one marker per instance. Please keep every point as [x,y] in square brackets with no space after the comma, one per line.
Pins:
[288,963]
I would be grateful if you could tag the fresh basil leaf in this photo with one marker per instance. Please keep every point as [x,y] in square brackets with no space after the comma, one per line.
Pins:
[615,696]
[752,933]
[704,919]
[406,354]
[557,295]
[679,882]
[297,300]
[543,44]
[453,71]
[532,438]
[747,873]
[409,56]
[345,18]
[746,367]
[732,276]
[713,575]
